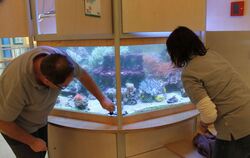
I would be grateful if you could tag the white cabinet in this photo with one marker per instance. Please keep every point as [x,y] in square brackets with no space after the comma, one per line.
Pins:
[145,139]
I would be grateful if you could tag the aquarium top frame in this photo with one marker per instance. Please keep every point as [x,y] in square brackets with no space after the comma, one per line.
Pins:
[103,42]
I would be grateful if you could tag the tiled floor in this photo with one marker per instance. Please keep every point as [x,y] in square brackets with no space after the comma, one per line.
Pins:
[5,151]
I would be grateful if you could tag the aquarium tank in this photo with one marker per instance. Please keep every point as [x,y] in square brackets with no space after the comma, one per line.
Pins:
[149,80]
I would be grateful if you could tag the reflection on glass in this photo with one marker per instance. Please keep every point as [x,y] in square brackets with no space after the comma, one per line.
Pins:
[95,60]
[46,17]
[11,48]
[149,80]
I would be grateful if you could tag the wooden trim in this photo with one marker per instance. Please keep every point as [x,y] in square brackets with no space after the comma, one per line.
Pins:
[85,116]
[133,127]
[111,120]
[82,125]
[6,60]
[102,42]
[158,113]
[142,41]
[159,122]
[77,43]
[56,37]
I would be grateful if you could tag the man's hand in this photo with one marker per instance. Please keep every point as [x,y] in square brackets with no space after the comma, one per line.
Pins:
[107,104]
[38,145]
[12,130]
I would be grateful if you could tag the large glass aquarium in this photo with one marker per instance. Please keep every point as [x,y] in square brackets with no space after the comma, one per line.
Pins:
[149,81]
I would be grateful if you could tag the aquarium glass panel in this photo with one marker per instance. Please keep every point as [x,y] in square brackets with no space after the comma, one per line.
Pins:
[5,41]
[100,64]
[7,53]
[11,48]
[149,80]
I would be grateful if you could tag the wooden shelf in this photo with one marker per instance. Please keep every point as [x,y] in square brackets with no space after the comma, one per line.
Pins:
[142,125]
[184,149]
[161,121]
[144,139]
[5,60]
[80,124]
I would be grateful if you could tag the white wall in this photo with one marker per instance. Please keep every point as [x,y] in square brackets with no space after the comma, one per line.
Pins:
[235,47]
[219,19]
[230,35]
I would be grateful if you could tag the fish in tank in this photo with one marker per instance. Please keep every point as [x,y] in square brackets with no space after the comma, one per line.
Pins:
[149,81]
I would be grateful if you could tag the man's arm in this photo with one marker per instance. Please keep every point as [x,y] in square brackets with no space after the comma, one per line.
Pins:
[13,131]
[90,84]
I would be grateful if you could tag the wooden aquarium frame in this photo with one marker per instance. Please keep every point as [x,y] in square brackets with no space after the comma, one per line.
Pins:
[112,120]
[157,113]
[102,42]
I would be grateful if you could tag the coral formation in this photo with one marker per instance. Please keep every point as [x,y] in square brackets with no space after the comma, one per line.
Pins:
[80,102]
[130,97]
[149,88]
[131,70]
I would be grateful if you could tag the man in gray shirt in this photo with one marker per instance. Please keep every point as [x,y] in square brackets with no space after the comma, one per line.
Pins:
[29,88]
[217,90]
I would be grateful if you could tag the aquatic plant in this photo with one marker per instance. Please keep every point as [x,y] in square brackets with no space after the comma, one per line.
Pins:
[172,81]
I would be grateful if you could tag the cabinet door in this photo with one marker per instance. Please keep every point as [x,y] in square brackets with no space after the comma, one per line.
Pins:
[71,18]
[75,143]
[162,15]
[14,18]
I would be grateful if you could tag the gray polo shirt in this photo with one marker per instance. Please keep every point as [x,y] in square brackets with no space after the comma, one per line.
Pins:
[211,75]
[22,99]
